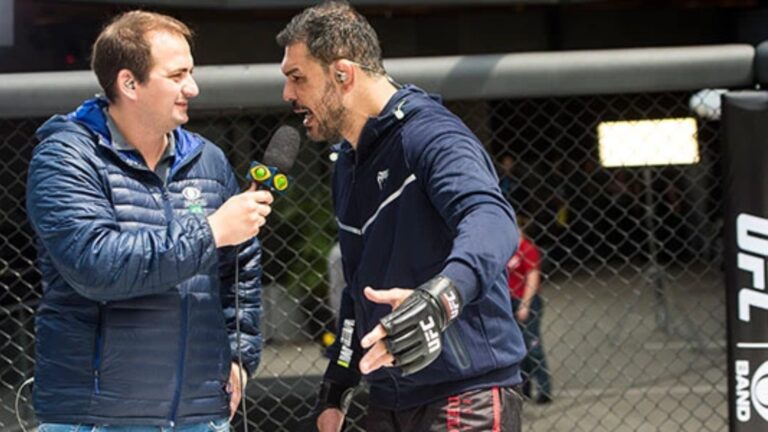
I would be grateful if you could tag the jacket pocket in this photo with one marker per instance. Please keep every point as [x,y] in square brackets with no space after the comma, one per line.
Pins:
[455,345]
[466,351]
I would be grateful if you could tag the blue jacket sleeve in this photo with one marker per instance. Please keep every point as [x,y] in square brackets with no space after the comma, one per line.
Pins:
[458,176]
[69,209]
[248,289]
[345,353]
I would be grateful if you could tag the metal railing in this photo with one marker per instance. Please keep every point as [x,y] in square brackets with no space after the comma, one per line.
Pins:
[634,318]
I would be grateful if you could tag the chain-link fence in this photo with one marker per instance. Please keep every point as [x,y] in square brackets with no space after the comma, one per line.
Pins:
[634,312]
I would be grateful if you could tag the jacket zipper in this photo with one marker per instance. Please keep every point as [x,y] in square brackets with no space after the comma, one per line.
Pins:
[354,168]
[175,167]
[182,343]
[180,366]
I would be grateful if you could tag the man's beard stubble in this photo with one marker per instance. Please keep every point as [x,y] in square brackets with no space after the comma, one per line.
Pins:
[329,128]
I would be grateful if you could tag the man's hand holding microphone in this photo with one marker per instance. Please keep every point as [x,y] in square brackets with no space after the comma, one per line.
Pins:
[241,217]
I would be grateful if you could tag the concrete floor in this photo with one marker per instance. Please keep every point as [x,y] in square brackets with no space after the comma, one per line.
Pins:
[617,364]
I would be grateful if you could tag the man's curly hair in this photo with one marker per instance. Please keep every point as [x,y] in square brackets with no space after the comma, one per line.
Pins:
[333,30]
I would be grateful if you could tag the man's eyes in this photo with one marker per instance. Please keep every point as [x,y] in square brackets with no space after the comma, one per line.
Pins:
[179,76]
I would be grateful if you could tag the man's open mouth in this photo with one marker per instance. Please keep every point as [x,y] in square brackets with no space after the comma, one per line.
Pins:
[306,112]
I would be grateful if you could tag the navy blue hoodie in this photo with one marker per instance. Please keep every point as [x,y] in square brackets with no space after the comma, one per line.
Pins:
[136,323]
[418,198]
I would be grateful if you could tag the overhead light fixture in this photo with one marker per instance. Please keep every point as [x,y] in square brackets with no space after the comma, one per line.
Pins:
[640,143]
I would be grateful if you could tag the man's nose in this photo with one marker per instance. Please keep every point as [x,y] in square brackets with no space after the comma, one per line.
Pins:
[288,94]
[190,89]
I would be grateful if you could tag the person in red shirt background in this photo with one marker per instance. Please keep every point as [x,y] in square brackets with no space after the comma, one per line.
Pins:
[524,281]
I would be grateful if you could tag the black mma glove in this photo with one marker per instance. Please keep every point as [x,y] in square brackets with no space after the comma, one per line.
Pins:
[414,328]
[333,395]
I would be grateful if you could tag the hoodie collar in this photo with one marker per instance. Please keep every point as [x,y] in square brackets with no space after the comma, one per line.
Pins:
[375,127]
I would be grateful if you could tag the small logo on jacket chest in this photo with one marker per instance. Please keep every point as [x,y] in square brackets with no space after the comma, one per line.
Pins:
[193,201]
[381,178]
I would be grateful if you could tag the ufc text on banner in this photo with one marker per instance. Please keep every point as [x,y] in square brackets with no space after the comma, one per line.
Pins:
[746,254]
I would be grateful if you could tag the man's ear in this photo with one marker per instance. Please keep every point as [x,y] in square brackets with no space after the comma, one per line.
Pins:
[126,84]
[343,72]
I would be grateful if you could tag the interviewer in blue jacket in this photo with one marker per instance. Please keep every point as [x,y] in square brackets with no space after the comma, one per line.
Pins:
[136,219]
[425,234]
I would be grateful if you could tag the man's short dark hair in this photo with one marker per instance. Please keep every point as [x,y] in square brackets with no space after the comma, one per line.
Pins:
[123,45]
[333,30]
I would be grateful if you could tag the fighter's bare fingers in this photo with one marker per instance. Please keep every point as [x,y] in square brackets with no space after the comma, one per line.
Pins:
[375,358]
[375,335]
[379,349]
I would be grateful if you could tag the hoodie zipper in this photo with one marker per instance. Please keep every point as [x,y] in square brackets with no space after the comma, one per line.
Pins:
[355,166]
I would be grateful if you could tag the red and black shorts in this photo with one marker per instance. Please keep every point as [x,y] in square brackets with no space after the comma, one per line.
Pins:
[497,409]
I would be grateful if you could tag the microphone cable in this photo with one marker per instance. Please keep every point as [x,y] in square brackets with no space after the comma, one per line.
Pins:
[27,382]
[238,345]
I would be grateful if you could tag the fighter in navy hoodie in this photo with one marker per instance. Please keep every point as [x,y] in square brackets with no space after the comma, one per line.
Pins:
[425,234]
[418,198]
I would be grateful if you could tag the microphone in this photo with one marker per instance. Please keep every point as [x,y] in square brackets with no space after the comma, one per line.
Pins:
[279,157]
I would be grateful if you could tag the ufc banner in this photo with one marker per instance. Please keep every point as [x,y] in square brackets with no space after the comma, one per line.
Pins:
[745,119]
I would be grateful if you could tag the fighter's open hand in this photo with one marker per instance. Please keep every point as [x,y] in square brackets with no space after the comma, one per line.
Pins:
[409,337]
[379,354]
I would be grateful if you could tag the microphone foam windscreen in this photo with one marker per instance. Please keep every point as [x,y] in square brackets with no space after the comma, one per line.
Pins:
[282,148]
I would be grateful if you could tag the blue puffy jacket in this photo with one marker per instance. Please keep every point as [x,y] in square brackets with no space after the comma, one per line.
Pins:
[136,323]
[418,198]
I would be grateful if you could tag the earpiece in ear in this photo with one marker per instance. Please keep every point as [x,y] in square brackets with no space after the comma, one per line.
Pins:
[130,84]
[341,76]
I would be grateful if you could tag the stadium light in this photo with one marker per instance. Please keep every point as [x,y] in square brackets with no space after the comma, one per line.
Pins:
[648,142]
